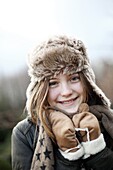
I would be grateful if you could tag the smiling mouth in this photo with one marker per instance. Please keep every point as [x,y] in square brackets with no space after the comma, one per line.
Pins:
[68,101]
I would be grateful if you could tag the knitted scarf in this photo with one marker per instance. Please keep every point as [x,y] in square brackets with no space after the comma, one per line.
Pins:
[43,158]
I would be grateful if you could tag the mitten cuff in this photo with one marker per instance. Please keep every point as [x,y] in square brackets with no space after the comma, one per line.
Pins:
[73,155]
[94,146]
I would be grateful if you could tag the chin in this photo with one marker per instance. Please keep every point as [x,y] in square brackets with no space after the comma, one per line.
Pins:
[71,112]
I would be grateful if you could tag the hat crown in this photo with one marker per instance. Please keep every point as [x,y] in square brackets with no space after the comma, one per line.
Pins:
[57,54]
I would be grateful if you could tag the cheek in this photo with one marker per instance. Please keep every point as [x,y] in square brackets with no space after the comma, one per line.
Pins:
[78,88]
[52,95]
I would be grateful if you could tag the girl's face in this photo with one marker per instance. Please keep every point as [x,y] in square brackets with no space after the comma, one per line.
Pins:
[65,92]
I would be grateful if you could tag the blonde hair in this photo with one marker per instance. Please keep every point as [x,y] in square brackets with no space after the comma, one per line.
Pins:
[37,105]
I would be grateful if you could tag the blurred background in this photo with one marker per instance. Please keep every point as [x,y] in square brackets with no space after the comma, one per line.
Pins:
[23,24]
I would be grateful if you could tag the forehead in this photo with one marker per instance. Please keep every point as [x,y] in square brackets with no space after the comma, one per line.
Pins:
[62,74]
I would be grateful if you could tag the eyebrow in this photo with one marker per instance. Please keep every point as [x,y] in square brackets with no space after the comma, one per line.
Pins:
[76,74]
[53,78]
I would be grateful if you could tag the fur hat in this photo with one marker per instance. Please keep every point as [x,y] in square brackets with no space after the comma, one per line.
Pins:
[61,54]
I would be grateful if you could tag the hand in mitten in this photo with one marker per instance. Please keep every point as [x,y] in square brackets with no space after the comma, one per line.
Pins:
[88,126]
[64,132]
[86,120]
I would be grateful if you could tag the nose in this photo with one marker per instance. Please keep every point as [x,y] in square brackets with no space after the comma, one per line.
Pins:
[66,90]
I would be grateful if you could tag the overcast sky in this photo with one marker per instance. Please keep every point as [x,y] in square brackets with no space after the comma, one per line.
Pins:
[24,23]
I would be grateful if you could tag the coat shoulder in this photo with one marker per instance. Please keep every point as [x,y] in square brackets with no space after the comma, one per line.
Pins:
[24,126]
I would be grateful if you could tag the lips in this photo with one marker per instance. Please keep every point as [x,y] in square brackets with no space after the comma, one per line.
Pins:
[68,101]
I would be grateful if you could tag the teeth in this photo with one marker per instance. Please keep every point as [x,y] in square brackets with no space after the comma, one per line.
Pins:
[68,101]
